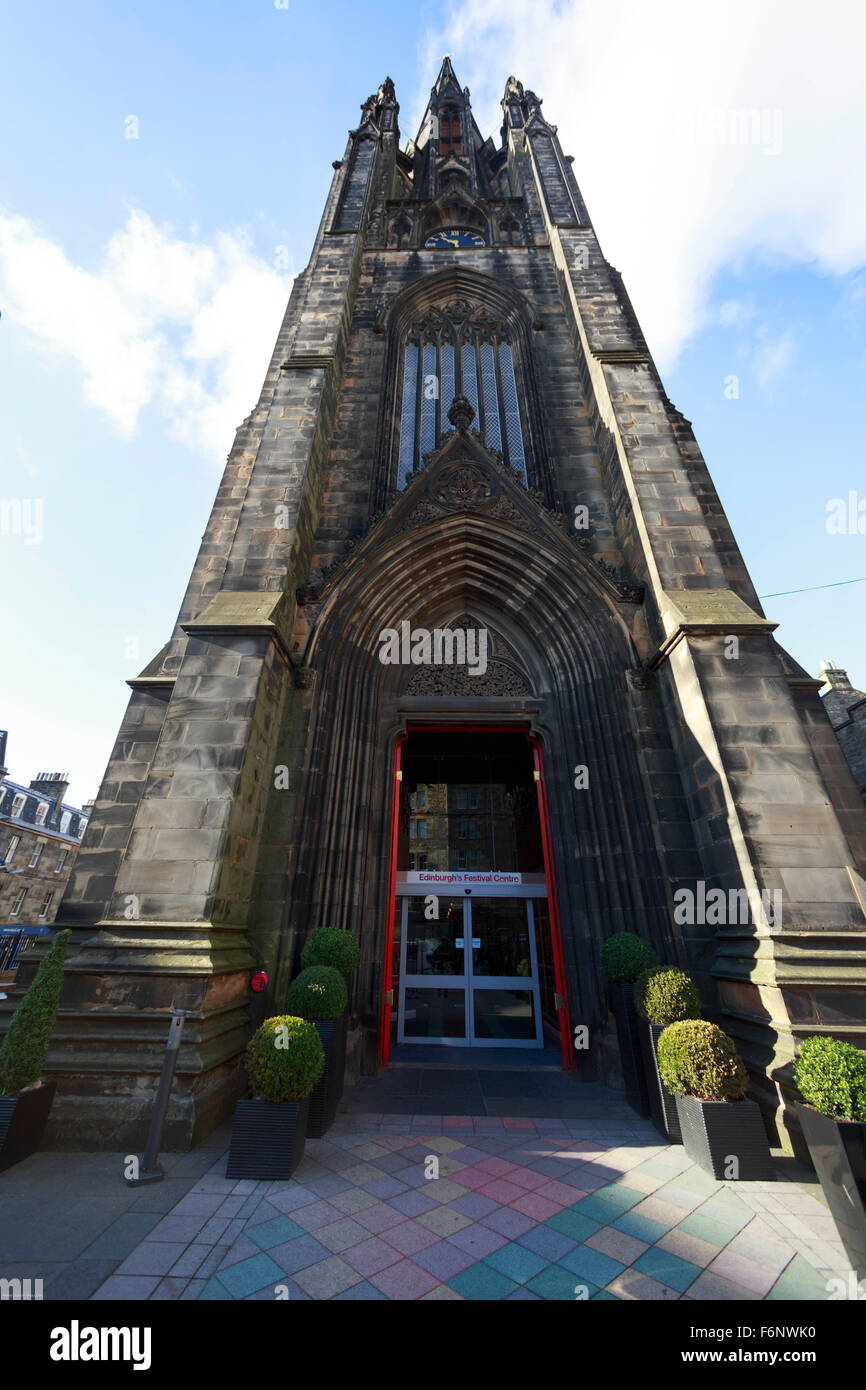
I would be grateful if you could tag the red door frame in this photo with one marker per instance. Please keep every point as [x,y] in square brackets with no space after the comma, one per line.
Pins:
[547,853]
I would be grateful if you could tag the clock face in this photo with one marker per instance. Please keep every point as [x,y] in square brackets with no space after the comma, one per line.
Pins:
[456,237]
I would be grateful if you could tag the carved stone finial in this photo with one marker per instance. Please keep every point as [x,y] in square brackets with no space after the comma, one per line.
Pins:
[461,413]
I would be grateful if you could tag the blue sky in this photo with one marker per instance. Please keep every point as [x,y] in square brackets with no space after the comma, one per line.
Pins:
[142,281]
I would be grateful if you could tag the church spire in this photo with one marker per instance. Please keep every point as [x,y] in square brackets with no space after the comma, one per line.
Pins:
[450,136]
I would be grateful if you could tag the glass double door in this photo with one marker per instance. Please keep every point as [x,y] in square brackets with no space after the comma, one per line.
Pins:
[469,975]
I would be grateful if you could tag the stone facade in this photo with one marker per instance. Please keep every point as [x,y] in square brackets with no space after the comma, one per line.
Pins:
[846,710]
[39,839]
[248,797]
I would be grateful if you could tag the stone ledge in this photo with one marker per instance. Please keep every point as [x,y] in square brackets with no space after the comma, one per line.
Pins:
[244,611]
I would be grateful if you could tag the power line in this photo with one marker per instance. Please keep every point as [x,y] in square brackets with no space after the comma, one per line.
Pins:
[836,585]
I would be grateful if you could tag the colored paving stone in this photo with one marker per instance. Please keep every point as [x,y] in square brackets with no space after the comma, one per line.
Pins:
[506,1219]
[482,1281]
[557,1282]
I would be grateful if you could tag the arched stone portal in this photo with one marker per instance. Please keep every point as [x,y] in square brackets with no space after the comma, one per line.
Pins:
[467,537]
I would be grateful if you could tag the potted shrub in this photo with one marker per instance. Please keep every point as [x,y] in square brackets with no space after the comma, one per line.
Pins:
[284,1060]
[331,946]
[624,957]
[319,994]
[662,996]
[831,1077]
[721,1130]
[25,1099]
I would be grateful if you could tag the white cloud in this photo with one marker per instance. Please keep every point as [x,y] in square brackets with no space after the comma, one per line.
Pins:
[181,325]
[772,354]
[733,313]
[701,134]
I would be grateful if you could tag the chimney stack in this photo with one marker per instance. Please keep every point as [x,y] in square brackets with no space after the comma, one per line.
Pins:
[53,786]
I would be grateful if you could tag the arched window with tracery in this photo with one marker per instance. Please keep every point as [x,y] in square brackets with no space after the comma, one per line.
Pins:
[459,349]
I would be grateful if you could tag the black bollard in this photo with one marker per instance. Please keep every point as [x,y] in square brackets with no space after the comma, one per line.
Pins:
[150,1170]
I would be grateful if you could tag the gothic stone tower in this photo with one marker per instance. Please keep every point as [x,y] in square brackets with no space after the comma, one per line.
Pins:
[461,426]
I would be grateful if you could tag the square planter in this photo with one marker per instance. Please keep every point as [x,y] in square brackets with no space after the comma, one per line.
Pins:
[268,1138]
[663,1106]
[838,1151]
[628,1037]
[326,1094]
[22,1123]
[715,1131]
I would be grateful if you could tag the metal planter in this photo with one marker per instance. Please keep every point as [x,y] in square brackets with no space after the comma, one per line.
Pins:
[663,1106]
[326,1094]
[22,1123]
[268,1138]
[716,1131]
[838,1151]
[628,1036]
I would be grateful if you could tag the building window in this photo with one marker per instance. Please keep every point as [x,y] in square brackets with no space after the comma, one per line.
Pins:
[422,861]
[462,830]
[19,902]
[473,830]
[64,822]
[418,800]
[473,801]
[37,851]
[11,848]
[61,861]
[41,812]
[422,829]
[18,805]
[461,859]
[450,133]
[46,903]
[458,350]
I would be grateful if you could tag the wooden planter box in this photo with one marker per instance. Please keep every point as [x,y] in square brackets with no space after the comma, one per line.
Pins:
[22,1123]
[628,1037]
[268,1138]
[663,1106]
[838,1151]
[714,1131]
[326,1094]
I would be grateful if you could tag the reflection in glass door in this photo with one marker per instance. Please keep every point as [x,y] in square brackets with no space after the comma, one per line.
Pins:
[469,976]
[433,1001]
[504,973]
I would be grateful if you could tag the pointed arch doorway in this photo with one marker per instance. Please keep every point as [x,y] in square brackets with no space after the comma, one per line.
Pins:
[473,954]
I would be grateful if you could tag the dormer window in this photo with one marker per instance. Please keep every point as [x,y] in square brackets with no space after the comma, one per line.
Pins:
[450,133]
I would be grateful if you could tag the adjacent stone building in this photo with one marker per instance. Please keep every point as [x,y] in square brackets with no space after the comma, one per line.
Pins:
[39,838]
[846,710]
[462,440]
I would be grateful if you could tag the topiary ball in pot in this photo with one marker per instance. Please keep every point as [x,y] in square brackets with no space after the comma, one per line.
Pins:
[285,1058]
[666,995]
[831,1076]
[624,956]
[319,992]
[698,1059]
[331,946]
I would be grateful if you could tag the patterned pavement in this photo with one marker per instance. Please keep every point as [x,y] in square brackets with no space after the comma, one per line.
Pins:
[521,1209]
